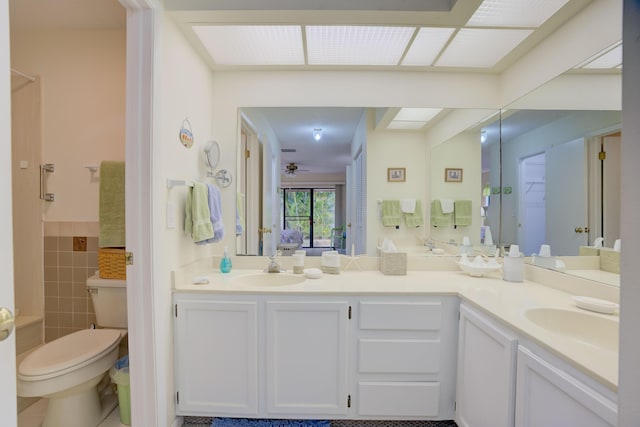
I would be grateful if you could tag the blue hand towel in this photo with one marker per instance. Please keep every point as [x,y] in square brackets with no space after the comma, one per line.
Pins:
[197,221]
[215,210]
[246,422]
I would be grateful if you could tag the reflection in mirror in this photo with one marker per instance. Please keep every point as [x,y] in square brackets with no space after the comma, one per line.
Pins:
[470,131]
[345,173]
[299,167]
[558,187]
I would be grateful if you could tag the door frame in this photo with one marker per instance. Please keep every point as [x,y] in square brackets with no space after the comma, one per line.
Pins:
[8,399]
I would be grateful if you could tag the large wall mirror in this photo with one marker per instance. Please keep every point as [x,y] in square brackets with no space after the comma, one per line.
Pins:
[533,171]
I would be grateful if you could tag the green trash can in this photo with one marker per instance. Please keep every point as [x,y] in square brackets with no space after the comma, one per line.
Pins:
[120,377]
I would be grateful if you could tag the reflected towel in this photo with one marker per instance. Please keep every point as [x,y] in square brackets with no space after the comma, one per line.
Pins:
[408,205]
[438,218]
[239,213]
[112,212]
[462,213]
[414,219]
[446,205]
[391,213]
[197,220]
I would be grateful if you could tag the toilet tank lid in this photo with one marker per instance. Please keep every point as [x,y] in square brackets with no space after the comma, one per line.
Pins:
[97,281]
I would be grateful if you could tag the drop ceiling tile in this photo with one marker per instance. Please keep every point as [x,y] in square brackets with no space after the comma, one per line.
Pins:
[514,13]
[356,45]
[480,47]
[252,44]
[427,45]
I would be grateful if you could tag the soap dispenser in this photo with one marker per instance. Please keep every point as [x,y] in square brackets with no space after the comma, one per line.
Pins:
[225,262]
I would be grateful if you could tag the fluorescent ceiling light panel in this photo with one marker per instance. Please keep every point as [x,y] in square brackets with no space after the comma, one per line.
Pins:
[514,13]
[397,124]
[427,45]
[252,44]
[480,47]
[611,59]
[356,45]
[417,114]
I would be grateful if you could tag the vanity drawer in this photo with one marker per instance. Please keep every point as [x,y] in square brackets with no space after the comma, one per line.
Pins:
[394,356]
[406,399]
[412,316]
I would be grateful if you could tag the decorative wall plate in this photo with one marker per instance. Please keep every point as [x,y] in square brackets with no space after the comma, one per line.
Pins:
[185,134]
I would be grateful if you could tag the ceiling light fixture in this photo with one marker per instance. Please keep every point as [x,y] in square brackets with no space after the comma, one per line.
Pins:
[317,134]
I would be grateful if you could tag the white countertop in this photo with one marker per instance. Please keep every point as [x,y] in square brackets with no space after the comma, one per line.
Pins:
[506,301]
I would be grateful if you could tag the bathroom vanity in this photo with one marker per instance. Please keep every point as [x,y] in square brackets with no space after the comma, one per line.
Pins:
[360,345]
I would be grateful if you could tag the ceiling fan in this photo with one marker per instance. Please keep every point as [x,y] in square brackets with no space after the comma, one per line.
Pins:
[291,168]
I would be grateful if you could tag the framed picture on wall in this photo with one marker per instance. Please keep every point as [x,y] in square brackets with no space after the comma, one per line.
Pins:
[396,174]
[453,175]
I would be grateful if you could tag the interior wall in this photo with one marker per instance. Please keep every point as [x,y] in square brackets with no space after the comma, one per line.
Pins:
[465,148]
[83,110]
[184,91]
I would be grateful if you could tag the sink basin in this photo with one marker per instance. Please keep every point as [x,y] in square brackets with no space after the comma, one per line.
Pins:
[586,328]
[267,279]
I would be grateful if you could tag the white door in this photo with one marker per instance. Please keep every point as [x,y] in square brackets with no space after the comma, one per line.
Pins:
[566,197]
[8,346]
[531,224]
[611,190]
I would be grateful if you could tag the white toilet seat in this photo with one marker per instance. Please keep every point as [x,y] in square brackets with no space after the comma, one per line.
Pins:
[68,353]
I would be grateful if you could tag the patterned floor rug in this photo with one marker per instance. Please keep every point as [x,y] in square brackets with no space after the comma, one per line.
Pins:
[206,422]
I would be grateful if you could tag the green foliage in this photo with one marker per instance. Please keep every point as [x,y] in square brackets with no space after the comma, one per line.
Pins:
[297,207]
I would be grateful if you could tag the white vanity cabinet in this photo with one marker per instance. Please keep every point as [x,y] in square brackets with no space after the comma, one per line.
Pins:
[551,396]
[486,371]
[404,357]
[216,355]
[506,380]
[306,356]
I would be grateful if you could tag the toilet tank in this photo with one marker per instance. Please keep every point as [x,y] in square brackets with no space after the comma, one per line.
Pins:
[109,298]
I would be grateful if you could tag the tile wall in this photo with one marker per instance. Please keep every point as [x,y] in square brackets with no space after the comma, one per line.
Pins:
[67,304]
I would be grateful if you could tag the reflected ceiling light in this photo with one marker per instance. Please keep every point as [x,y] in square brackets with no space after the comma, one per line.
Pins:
[317,134]
[483,135]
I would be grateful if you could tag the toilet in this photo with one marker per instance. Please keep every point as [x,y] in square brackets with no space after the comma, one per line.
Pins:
[68,370]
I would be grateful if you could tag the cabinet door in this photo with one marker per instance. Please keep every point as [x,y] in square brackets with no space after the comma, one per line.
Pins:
[306,360]
[550,397]
[486,372]
[216,357]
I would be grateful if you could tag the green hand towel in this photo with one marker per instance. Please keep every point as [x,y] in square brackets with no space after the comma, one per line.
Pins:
[462,210]
[414,219]
[391,213]
[112,211]
[197,220]
[439,219]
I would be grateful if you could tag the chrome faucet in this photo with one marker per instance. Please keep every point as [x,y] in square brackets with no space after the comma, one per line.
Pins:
[273,267]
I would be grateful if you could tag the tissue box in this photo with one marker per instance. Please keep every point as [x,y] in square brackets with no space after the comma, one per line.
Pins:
[588,251]
[393,263]
[609,260]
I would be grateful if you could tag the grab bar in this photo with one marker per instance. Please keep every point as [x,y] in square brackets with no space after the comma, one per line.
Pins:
[44,169]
